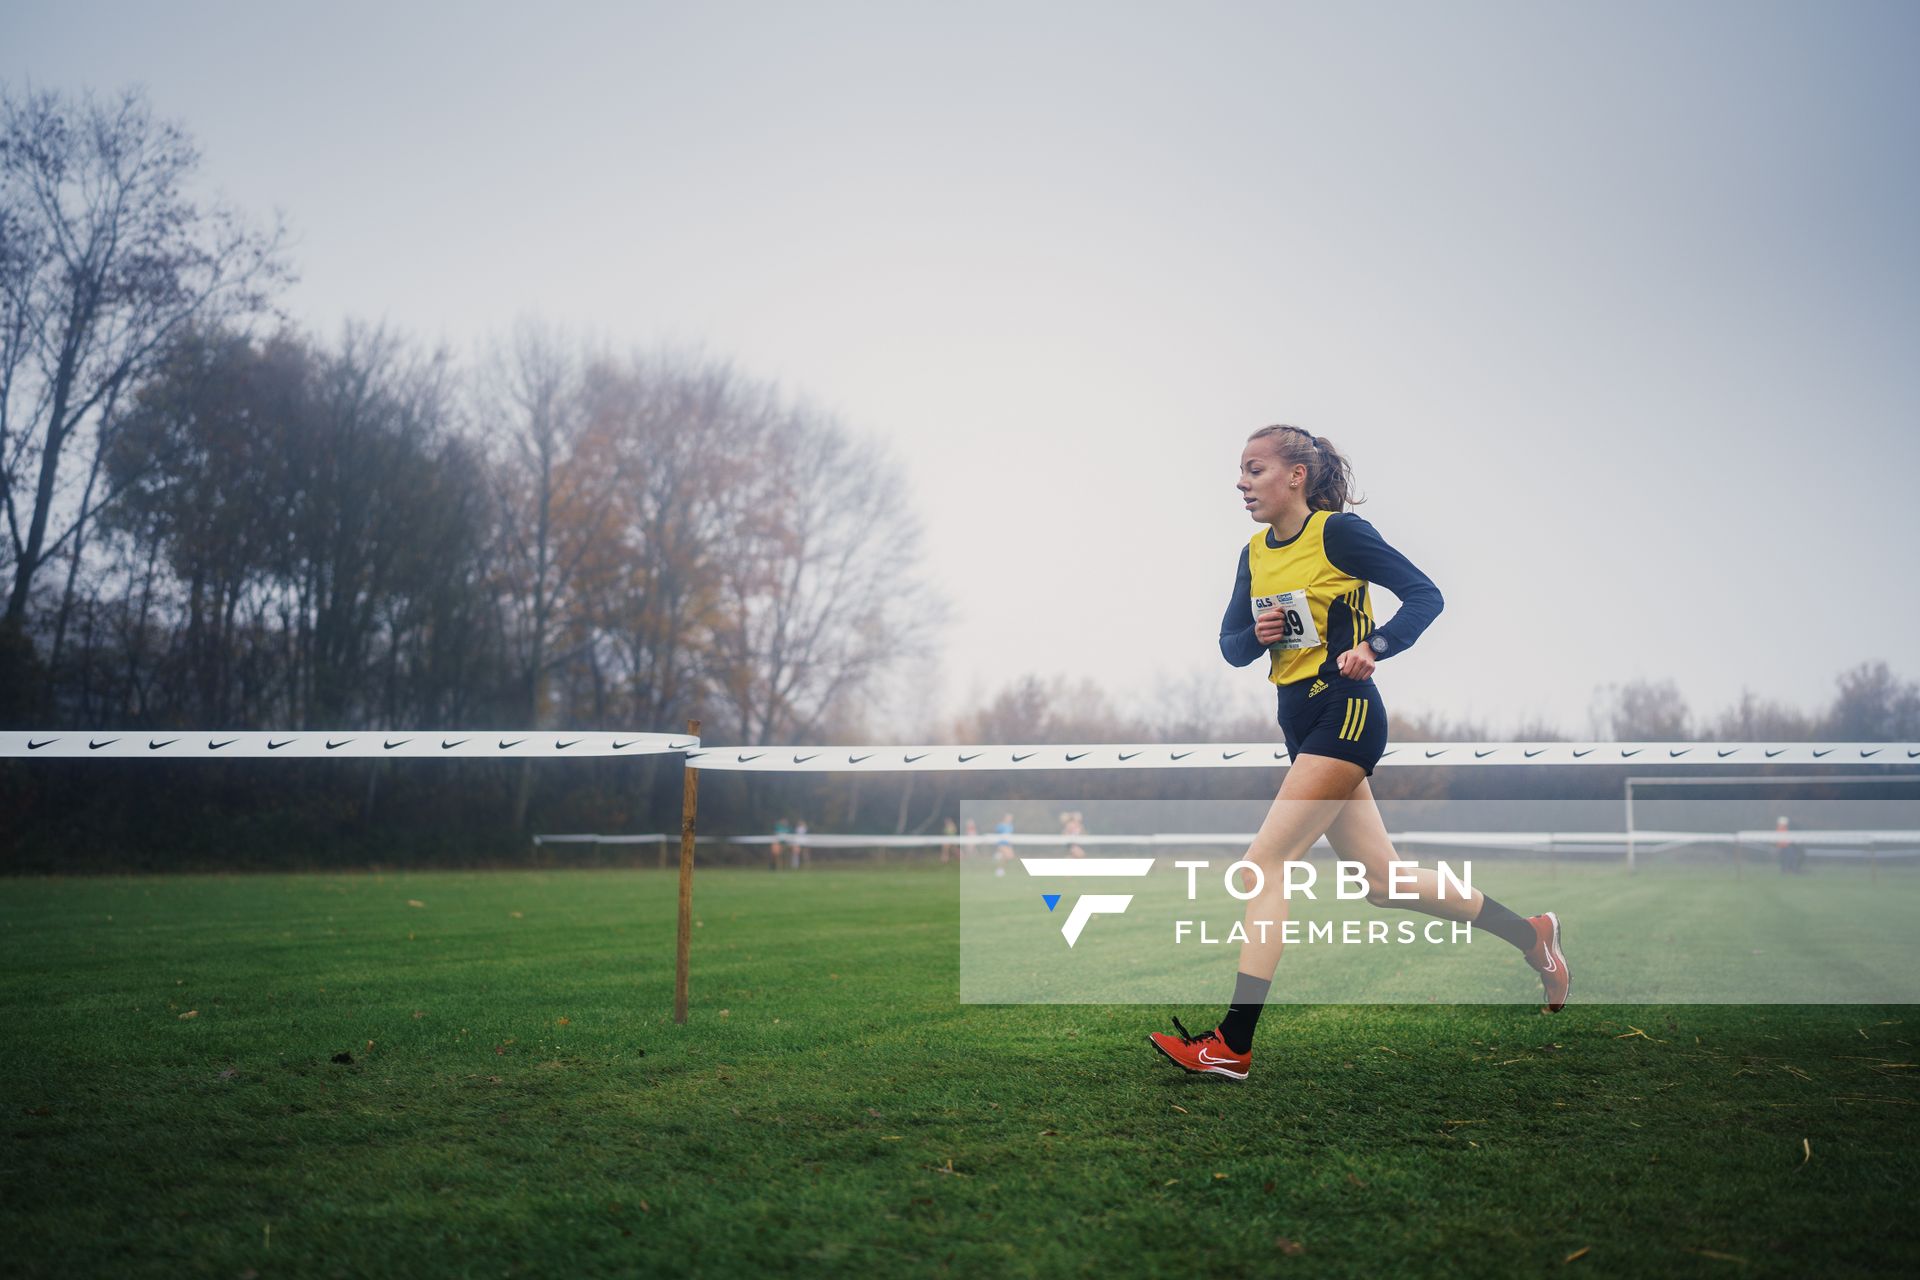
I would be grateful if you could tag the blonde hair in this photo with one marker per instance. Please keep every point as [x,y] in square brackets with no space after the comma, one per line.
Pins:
[1329,475]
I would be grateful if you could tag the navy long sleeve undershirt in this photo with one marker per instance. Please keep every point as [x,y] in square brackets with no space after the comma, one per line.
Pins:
[1355,548]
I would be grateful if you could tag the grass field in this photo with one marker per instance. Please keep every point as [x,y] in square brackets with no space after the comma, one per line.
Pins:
[518,1102]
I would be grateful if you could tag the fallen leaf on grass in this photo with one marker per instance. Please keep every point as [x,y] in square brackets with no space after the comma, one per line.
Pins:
[1292,1248]
[1806,1145]
[563,1022]
[1049,1133]
[1579,1253]
[1355,1181]
[415,902]
[419,1013]
[517,915]
[891,1137]
[1716,1254]
[191,1013]
[1170,1182]
[1218,1177]
[1182,1110]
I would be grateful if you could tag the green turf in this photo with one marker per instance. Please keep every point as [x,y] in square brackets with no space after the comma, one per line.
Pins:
[520,1103]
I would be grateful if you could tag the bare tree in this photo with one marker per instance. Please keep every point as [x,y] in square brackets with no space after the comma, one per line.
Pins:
[103,257]
[820,590]
[1874,705]
[555,504]
[1641,711]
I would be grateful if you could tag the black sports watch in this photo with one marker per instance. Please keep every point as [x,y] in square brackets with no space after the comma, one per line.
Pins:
[1378,644]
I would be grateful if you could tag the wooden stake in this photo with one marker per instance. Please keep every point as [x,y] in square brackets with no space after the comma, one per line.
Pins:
[689,801]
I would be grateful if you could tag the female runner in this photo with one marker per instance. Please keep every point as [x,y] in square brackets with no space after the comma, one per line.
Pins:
[1301,597]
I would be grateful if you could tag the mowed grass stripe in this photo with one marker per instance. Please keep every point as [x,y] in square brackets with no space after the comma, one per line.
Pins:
[848,1115]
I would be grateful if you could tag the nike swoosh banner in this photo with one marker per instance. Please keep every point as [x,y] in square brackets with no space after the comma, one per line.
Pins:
[335,744]
[1270,755]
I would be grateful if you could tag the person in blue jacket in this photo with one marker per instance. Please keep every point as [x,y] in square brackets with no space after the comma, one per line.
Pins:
[1302,597]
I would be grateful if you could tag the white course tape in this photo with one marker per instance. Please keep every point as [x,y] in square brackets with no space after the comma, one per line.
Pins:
[182,744]
[1268,755]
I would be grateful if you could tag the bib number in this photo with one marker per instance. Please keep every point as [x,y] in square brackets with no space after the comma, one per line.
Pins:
[1300,632]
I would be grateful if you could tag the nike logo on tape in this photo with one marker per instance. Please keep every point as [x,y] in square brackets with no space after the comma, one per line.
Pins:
[95,746]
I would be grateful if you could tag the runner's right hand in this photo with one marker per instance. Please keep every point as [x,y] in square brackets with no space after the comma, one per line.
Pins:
[1270,627]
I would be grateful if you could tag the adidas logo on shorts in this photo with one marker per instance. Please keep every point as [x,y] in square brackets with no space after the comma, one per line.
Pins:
[1319,687]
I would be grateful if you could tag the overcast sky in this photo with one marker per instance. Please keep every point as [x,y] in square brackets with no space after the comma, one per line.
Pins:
[1614,307]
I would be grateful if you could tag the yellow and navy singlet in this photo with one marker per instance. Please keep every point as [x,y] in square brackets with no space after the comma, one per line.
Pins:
[1321,577]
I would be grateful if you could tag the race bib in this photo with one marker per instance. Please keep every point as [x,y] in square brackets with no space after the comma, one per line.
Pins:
[1300,632]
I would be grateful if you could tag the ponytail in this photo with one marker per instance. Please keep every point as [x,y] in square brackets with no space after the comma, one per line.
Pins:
[1329,475]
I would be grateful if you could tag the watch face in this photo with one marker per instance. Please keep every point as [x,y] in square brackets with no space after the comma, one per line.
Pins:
[1379,644]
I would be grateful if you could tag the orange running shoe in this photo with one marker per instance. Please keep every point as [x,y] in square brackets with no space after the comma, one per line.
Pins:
[1547,961]
[1205,1053]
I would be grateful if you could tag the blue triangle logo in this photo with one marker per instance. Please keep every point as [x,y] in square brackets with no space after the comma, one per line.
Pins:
[1051,899]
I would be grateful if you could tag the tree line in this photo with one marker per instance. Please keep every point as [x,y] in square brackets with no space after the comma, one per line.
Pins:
[216,520]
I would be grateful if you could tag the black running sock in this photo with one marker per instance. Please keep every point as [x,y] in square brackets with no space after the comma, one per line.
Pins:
[1502,923]
[1243,1015]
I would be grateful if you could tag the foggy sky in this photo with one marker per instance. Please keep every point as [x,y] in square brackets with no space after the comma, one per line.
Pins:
[1614,307]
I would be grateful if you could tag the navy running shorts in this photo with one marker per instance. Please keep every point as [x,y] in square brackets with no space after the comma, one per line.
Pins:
[1341,718]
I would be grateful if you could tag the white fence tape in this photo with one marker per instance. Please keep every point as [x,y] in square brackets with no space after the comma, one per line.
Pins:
[498,743]
[1267,755]
[181,744]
